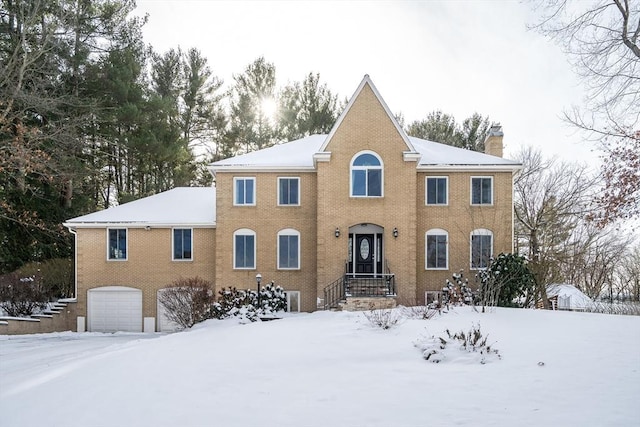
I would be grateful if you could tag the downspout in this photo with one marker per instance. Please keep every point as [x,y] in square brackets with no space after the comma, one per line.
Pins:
[75,260]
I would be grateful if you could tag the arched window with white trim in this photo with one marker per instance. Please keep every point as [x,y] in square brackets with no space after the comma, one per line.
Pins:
[481,248]
[437,249]
[367,177]
[288,249]
[244,249]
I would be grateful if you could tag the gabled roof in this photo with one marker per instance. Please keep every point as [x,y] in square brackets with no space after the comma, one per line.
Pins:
[367,81]
[184,206]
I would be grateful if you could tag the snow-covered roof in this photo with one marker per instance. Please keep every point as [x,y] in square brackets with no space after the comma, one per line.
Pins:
[298,155]
[193,206]
[569,297]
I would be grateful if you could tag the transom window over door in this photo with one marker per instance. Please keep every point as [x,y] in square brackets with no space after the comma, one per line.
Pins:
[366,175]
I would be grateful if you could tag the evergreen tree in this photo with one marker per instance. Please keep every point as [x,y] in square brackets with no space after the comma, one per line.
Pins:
[443,128]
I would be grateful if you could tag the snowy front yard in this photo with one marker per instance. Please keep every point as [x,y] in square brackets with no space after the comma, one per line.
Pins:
[556,368]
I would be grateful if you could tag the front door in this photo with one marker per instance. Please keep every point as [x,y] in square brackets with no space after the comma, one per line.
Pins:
[364,254]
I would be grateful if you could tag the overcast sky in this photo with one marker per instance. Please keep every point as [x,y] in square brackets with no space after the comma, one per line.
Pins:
[457,56]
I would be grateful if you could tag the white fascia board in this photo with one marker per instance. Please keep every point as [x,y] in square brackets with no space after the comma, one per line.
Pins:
[137,224]
[253,168]
[468,168]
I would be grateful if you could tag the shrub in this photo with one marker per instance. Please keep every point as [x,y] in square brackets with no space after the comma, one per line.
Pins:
[21,296]
[470,346]
[382,318]
[55,275]
[411,310]
[507,282]
[188,301]
[457,292]
[248,304]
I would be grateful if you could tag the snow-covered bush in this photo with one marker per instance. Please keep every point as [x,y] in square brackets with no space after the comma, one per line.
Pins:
[188,301]
[507,282]
[248,304]
[21,296]
[459,347]
[382,318]
[412,311]
[457,292]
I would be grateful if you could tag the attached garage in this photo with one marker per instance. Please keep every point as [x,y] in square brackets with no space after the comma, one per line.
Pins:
[114,308]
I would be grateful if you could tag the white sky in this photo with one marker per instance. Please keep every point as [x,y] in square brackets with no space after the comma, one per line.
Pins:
[458,56]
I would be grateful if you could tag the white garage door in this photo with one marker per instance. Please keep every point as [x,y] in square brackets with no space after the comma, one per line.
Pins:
[115,308]
[164,324]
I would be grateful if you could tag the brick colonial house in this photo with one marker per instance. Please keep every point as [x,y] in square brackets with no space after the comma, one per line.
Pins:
[363,212]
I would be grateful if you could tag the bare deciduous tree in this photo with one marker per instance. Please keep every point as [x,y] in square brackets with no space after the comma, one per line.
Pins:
[602,41]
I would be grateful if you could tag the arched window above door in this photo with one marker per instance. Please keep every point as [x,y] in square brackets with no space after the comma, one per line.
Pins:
[367,175]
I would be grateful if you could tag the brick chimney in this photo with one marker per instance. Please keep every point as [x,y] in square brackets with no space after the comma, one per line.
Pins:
[493,143]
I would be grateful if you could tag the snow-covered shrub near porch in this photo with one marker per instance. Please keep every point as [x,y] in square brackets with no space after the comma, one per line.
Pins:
[460,347]
[248,304]
[21,296]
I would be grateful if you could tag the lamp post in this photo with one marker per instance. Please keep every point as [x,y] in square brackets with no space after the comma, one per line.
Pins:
[258,280]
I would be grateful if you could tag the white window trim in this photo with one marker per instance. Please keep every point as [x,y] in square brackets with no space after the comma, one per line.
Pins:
[426,191]
[244,178]
[471,191]
[351,169]
[299,190]
[436,232]
[288,232]
[288,294]
[245,232]
[479,232]
[173,252]
[126,258]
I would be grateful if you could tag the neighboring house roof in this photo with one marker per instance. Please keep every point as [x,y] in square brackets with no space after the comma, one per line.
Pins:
[184,206]
[569,297]
[298,155]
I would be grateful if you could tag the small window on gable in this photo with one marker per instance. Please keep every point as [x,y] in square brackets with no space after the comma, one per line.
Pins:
[482,190]
[366,175]
[182,244]
[481,248]
[288,250]
[244,190]
[437,190]
[117,244]
[289,191]
[244,249]
[437,245]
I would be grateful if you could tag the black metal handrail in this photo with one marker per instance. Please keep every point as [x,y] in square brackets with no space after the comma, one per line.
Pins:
[334,293]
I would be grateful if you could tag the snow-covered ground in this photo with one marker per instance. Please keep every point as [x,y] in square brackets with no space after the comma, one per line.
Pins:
[326,368]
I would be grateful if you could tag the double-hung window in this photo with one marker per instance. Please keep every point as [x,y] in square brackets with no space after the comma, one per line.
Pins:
[437,253]
[481,248]
[436,191]
[244,249]
[366,175]
[289,191]
[182,244]
[482,190]
[117,244]
[244,190]
[288,250]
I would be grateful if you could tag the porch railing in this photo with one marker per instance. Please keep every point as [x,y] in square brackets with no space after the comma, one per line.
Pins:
[359,285]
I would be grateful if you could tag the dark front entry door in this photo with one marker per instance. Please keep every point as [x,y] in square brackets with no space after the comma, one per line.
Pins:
[364,253]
